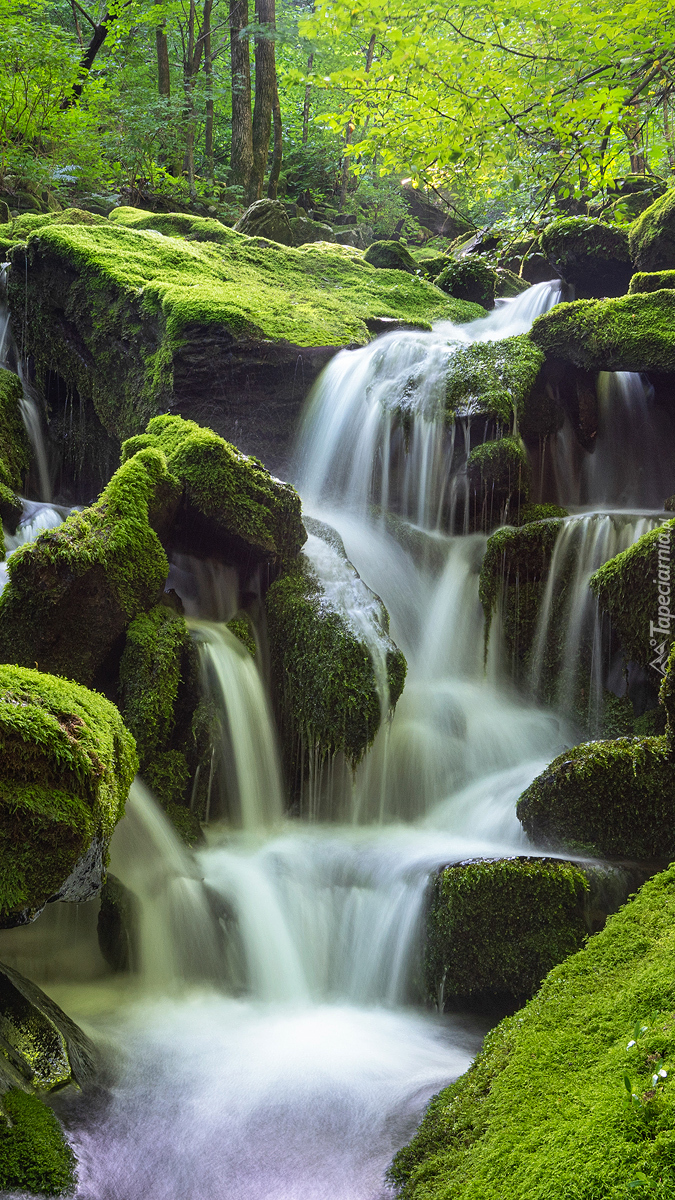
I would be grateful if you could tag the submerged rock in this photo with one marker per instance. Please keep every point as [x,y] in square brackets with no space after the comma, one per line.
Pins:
[563,1098]
[652,236]
[67,765]
[633,333]
[495,928]
[614,799]
[591,256]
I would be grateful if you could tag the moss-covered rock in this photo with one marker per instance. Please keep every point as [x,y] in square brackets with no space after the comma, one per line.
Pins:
[615,799]
[181,225]
[651,281]
[633,333]
[34,1155]
[469,279]
[14,451]
[495,379]
[591,256]
[508,284]
[242,627]
[634,589]
[562,1101]
[323,677]
[540,512]
[41,1049]
[74,590]
[139,323]
[267,219]
[652,236]
[305,231]
[67,764]
[229,499]
[496,928]
[390,256]
[20,228]
[499,481]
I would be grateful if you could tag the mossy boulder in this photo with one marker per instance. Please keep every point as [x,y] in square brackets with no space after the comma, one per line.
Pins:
[74,590]
[230,501]
[138,323]
[499,481]
[495,379]
[305,231]
[469,279]
[652,236]
[562,1101]
[634,589]
[20,228]
[267,219]
[390,256]
[591,256]
[525,258]
[633,333]
[14,451]
[509,284]
[67,764]
[614,798]
[496,928]
[323,678]
[41,1048]
[651,281]
[182,225]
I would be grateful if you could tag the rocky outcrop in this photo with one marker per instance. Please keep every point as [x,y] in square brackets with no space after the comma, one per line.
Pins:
[390,255]
[497,380]
[593,258]
[634,590]
[633,333]
[652,236]
[67,764]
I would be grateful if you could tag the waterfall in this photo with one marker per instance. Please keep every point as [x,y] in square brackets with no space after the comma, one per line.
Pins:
[30,405]
[35,518]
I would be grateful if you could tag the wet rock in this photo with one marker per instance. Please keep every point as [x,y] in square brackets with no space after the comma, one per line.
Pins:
[499,481]
[632,333]
[41,1049]
[14,451]
[469,279]
[590,256]
[117,925]
[267,219]
[652,236]
[67,764]
[627,588]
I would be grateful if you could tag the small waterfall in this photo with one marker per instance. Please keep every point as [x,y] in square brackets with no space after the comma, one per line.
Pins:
[374,430]
[178,942]
[246,757]
[568,614]
[632,464]
[35,518]
[30,404]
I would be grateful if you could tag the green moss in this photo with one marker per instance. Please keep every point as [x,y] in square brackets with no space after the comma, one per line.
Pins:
[236,493]
[497,928]
[614,798]
[74,590]
[544,1113]
[469,279]
[633,333]
[390,256]
[186,824]
[652,236]
[21,227]
[178,225]
[509,284]
[67,763]
[322,674]
[34,1155]
[150,676]
[431,264]
[242,628]
[592,256]
[14,452]
[667,697]
[499,479]
[540,512]
[493,378]
[627,588]
[652,281]
[137,298]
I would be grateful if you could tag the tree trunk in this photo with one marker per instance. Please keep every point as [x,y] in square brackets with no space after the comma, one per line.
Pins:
[345,168]
[163,71]
[208,71]
[277,153]
[305,111]
[241,152]
[265,83]
[668,131]
[94,45]
[188,83]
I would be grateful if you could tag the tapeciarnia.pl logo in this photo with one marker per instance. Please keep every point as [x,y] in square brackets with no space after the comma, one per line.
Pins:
[659,631]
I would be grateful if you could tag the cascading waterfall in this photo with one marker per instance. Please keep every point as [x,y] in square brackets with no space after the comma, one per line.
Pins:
[29,404]
[35,518]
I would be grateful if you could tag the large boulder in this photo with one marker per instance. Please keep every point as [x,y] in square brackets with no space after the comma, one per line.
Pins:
[134,323]
[74,590]
[67,764]
[389,255]
[567,1098]
[634,589]
[305,231]
[469,279]
[652,236]
[267,219]
[495,928]
[632,333]
[615,799]
[590,256]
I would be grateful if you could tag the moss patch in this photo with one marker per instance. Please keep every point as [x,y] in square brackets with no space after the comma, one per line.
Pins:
[234,492]
[633,333]
[67,764]
[72,592]
[627,588]
[242,628]
[177,225]
[391,256]
[652,236]
[14,450]
[497,928]
[561,1102]
[469,279]
[34,1155]
[132,300]
[652,281]
[323,676]
[615,799]
[493,378]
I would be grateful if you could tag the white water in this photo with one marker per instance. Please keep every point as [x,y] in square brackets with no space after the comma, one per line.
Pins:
[35,518]
[30,405]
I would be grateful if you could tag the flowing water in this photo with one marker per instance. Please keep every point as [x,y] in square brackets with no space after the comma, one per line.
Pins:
[30,404]
[273,1045]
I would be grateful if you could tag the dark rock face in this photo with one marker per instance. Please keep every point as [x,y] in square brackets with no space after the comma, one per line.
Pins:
[268,219]
[40,1047]
[118,925]
[592,257]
